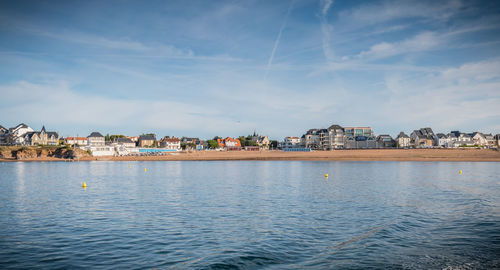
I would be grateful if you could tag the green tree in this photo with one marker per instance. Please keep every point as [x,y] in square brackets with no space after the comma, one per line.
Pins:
[212,144]
[243,141]
[273,144]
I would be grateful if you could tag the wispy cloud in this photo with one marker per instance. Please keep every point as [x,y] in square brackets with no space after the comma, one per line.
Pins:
[326,29]
[421,42]
[278,38]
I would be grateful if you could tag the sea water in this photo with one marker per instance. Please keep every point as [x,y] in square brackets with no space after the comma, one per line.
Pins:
[250,215]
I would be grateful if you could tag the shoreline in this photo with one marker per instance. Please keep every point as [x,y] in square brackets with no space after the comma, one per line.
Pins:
[452,155]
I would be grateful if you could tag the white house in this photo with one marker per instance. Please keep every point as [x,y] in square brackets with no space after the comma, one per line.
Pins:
[479,139]
[95,139]
[443,140]
[76,140]
[171,143]
[291,142]
[403,140]
[16,134]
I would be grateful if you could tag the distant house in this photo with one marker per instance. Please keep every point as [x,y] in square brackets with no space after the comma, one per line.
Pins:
[311,139]
[403,140]
[336,138]
[3,135]
[125,142]
[490,139]
[262,141]
[290,142]
[147,140]
[360,142]
[497,140]
[134,139]
[385,141]
[201,145]
[479,139]
[229,143]
[359,138]
[95,139]
[97,145]
[190,140]
[443,140]
[75,141]
[16,134]
[171,143]
[41,137]
[423,138]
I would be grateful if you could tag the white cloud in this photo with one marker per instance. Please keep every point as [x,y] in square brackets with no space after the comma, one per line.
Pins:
[421,42]
[58,105]
[455,98]
[370,14]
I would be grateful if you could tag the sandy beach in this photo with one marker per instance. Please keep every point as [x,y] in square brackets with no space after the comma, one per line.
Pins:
[345,155]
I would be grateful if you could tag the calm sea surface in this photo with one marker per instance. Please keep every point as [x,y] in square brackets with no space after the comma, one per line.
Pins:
[245,214]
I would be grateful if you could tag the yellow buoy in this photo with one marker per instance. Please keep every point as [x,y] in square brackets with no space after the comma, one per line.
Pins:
[326,175]
[459,172]
[129,165]
[144,169]
[84,185]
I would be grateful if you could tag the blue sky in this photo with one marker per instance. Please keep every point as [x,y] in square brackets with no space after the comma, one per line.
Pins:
[227,68]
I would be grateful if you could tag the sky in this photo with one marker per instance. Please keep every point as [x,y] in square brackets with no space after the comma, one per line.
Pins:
[229,68]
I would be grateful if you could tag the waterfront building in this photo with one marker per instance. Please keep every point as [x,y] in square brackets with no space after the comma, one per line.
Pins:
[311,139]
[359,138]
[290,142]
[201,145]
[497,140]
[358,131]
[385,141]
[336,138]
[423,138]
[229,144]
[443,140]
[170,143]
[479,139]
[41,138]
[3,135]
[75,141]
[190,140]
[147,140]
[95,139]
[262,141]
[403,140]
[16,134]
[490,139]
[360,142]
[125,142]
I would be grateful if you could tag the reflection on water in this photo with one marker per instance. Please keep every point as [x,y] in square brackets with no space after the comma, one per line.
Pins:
[243,214]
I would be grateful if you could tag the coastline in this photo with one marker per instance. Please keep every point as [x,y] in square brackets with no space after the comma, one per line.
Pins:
[457,155]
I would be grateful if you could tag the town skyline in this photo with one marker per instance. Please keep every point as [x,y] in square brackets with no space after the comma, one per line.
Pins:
[226,67]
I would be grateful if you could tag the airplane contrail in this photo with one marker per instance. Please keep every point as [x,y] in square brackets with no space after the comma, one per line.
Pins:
[277,42]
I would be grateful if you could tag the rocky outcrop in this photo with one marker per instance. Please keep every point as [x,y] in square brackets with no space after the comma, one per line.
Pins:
[70,153]
[41,153]
[6,153]
[24,153]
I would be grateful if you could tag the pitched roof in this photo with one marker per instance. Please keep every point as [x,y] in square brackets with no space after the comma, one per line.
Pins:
[335,127]
[147,137]
[172,140]
[123,140]
[95,134]
[402,135]
[76,138]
